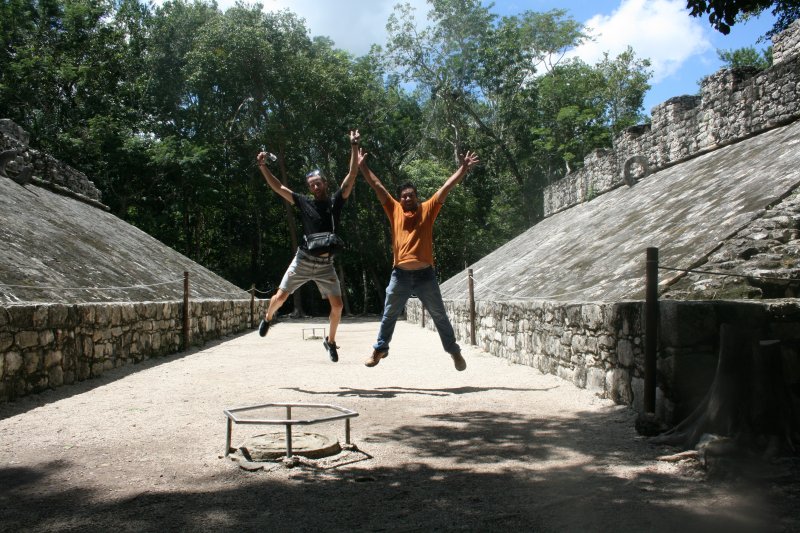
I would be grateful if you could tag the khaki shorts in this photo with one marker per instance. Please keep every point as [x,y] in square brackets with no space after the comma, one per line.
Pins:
[305,268]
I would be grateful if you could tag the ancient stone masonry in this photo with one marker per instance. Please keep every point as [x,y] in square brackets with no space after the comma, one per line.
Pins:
[733,105]
[763,258]
[23,164]
[46,346]
[599,346]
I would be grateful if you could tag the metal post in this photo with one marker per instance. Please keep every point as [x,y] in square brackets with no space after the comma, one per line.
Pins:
[347,431]
[651,330]
[185,310]
[252,305]
[423,313]
[288,431]
[228,438]
[288,440]
[471,307]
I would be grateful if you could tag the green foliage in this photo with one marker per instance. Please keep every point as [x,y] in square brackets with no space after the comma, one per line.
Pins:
[746,57]
[722,14]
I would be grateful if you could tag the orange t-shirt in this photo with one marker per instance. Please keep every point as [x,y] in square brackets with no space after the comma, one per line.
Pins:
[412,232]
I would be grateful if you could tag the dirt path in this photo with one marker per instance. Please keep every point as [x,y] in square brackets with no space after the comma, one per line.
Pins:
[497,447]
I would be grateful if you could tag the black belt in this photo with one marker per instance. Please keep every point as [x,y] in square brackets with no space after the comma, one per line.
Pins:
[313,258]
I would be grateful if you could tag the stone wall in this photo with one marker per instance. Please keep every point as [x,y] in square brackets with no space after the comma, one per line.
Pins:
[764,256]
[48,345]
[733,105]
[23,164]
[600,346]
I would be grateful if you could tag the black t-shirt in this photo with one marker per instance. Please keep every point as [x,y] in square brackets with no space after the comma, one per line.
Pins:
[316,215]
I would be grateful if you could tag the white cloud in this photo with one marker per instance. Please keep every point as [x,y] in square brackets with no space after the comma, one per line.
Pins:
[660,30]
[353,25]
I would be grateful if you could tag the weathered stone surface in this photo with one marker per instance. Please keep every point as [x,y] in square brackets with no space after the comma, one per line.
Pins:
[26,339]
[32,362]
[13,362]
[685,210]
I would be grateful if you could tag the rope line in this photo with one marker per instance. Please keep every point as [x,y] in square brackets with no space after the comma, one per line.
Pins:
[689,271]
[549,297]
[88,288]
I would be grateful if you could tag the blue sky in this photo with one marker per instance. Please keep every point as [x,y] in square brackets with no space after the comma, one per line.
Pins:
[683,49]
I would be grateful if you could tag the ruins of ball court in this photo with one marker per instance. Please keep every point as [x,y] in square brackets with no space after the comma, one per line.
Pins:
[711,184]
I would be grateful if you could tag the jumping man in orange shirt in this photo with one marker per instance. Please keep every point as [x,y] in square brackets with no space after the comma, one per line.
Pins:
[412,245]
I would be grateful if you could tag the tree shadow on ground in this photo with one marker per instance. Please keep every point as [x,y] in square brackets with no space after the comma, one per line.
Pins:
[394,392]
[476,471]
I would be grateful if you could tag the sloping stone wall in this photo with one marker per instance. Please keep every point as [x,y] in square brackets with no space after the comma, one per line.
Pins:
[733,105]
[46,346]
[600,346]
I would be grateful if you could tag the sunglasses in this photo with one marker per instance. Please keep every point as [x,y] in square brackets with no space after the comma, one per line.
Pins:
[313,173]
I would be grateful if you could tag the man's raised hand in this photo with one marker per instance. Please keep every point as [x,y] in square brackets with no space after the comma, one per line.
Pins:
[469,160]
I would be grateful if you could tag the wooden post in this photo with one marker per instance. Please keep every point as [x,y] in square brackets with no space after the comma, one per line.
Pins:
[185,310]
[651,330]
[471,286]
[252,305]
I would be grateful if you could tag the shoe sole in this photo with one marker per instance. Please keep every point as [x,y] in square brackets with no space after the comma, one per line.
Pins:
[374,362]
[263,328]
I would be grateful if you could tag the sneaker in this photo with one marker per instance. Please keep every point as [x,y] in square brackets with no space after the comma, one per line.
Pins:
[331,347]
[459,361]
[376,357]
[263,327]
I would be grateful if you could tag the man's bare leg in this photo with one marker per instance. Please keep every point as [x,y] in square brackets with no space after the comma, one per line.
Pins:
[335,316]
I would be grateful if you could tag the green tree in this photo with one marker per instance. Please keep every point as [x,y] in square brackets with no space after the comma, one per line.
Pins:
[746,57]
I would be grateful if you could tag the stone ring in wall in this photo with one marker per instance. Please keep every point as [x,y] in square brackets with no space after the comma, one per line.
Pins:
[640,160]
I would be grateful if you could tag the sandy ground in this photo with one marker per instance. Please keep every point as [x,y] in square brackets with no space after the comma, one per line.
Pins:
[497,447]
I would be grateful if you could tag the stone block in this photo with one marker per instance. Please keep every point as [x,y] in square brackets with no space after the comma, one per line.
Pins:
[20,316]
[102,315]
[625,352]
[97,369]
[596,379]
[26,339]
[40,316]
[52,358]
[592,316]
[115,315]
[6,340]
[565,373]
[32,362]
[46,337]
[88,313]
[55,376]
[57,315]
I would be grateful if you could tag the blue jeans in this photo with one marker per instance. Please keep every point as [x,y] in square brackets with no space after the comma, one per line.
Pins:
[423,284]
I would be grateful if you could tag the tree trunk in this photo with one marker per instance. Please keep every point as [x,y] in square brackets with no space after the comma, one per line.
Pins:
[748,401]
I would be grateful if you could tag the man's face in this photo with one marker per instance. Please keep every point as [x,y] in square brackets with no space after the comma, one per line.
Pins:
[318,187]
[408,199]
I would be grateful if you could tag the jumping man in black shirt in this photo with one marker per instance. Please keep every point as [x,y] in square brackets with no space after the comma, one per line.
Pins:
[320,214]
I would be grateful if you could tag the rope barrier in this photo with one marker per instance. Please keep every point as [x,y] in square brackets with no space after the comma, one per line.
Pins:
[690,271]
[88,288]
[552,296]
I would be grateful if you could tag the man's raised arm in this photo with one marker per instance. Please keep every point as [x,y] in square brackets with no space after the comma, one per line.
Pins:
[371,178]
[272,181]
[350,179]
[469,160]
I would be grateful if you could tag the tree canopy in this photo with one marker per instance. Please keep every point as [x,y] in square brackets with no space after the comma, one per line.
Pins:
[722,14]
